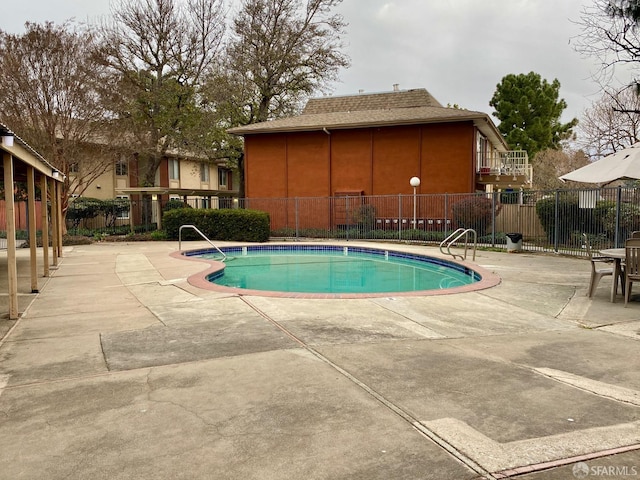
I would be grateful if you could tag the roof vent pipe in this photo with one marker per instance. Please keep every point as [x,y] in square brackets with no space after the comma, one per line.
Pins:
[396,87]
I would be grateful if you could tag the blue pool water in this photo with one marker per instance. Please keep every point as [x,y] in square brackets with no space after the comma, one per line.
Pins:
[335,269]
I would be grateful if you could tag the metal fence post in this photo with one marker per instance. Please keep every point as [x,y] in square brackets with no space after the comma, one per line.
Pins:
[296,213]
[556,222]
[616,238]
[346,209]
[399,216]
[494,218]
[446,214]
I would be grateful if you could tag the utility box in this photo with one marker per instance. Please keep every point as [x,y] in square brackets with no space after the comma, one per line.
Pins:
[514,242]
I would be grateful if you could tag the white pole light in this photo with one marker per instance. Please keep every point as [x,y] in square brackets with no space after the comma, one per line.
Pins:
[415,183]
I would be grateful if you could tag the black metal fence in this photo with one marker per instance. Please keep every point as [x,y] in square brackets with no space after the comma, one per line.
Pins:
[547,220]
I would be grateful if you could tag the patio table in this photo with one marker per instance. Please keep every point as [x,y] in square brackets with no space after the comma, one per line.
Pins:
[617,254]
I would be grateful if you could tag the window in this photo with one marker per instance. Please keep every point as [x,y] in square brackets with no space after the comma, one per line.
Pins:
[482,148]
[174,169]
[206,202]
[123,214]
[74,168]
[223,178]
[204,172]
[122,168]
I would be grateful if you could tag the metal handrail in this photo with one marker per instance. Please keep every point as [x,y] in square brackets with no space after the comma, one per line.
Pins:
[224,256]
[458,234]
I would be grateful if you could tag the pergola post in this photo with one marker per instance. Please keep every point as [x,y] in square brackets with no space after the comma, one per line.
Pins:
[58,190]
[31,211]
[12,268]
[45,225]
[54,222]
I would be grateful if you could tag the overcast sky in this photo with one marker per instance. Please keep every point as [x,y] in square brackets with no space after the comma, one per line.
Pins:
[459,50]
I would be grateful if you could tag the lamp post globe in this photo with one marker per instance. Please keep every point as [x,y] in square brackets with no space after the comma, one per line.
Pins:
[414,182]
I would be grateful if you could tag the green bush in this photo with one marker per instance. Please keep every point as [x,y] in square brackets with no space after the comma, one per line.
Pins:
[112,208]
[174,204]
[158,235]
[86,208]
[226,224]
[476,213]
[605,213]
[573,220]
[83,208]
[599,221]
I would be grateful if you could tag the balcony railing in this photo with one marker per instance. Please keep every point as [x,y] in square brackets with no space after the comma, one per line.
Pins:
[511,166]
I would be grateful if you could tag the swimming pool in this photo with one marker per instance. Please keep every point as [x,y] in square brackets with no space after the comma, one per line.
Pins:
[331,271]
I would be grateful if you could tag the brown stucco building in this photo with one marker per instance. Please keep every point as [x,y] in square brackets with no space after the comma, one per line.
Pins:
[373,144]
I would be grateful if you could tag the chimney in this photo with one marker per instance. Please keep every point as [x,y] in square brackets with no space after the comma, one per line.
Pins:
[396,87]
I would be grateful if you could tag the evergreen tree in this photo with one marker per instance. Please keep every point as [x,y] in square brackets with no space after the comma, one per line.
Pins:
[529,110]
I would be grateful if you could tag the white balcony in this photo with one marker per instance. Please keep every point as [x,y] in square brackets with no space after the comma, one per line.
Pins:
[505,168]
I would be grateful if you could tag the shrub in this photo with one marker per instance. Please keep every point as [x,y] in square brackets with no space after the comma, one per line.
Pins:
[83,208]
[365,217]
[74,240]
[573,220]
[226,224]
[605,213]
[112,208]
[570,219]
[158,235]
[476,213]
[174,204]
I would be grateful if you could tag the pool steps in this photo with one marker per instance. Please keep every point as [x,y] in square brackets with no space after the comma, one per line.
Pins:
[454,237]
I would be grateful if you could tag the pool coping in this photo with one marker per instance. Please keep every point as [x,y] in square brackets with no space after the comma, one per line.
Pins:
[488,278]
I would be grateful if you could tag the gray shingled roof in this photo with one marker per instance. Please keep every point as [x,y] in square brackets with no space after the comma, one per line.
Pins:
[405,107]
[418,97]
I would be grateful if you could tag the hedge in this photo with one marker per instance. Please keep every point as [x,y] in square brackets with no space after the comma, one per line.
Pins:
[575,220]
[225,224]
[569,214]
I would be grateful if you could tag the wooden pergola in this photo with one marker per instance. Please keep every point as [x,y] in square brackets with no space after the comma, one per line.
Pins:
[21,163]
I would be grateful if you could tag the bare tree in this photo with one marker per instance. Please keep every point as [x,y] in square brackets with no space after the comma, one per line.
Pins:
[610,33]
[550,164]
[611,123]
[48,81]
[158,52]
[279,52]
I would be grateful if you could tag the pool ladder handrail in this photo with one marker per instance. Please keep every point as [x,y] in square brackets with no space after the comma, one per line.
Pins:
[224,256]
[458,234]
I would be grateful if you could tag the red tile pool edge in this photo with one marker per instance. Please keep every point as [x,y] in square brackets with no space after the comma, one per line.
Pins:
[199,280]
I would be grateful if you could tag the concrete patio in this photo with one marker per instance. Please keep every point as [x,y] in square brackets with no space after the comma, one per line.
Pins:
[121,369]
